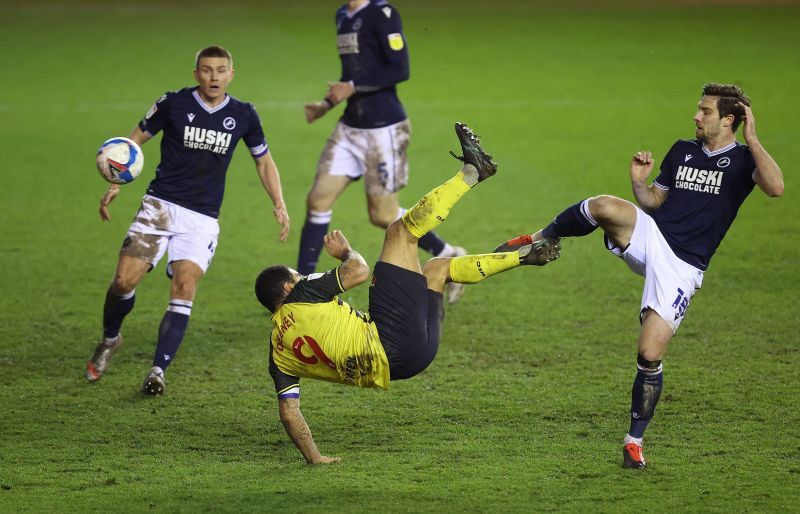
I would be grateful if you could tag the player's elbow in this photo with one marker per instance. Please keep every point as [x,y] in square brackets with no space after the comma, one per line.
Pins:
[358,273]
[776,190]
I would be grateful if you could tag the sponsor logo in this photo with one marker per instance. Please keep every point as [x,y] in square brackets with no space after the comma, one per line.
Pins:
[347,43]
[724,162]
[229,123]
[190,116]
[396,41]
[387,11]
[702,181]
[688,156]
[204,139]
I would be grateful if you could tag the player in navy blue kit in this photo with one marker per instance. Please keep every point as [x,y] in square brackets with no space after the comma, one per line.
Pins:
[670,238]
[372,136]
[178,216]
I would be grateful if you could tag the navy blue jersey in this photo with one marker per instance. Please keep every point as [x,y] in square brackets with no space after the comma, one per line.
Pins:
[375,57]
[197,147]
[706,190]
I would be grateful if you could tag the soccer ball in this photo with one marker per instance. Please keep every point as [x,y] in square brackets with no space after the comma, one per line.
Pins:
[119,160]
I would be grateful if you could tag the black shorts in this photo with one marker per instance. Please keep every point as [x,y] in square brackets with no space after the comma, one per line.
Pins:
[408,316]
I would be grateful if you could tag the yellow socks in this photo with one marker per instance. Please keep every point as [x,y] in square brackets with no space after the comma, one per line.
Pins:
[470,269]
[434,207]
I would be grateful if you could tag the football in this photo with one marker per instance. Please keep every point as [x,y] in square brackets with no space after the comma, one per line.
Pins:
[119,160]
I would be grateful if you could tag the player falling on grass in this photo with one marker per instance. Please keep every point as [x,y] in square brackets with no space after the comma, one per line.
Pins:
[202,125]
[317,335]
[670,238]
[372,136]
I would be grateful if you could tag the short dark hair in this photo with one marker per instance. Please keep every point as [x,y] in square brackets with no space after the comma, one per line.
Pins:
[729,95]
[213,51]
[269,285]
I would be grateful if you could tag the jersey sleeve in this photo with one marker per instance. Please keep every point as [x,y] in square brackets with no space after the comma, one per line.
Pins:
[395,67]
[750,163]
[665,178]
[286,386]
[316,288]
[254,138]
[156,118]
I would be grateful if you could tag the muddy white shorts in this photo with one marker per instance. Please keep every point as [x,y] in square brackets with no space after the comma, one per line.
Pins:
[379,155]
[669,282]
[161,226]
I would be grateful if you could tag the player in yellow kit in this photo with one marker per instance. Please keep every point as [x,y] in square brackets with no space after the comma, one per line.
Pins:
[317,335]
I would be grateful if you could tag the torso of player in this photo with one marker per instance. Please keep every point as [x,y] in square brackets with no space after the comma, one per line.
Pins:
[706,190]
[329,341]
[363,39]
[197,147]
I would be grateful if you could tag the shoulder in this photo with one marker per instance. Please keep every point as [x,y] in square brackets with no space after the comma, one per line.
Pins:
[382,9]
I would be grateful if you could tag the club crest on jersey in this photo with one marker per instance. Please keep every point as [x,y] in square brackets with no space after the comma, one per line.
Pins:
[204,139]
[702,181]
[724,162]
[357,24]
[396,41]
[229,123]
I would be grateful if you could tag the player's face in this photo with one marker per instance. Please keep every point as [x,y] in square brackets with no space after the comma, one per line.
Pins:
[708,124]
[213,74]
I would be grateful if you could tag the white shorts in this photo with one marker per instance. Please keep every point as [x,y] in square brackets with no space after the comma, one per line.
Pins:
[161,226]
[379,155]
[669,282]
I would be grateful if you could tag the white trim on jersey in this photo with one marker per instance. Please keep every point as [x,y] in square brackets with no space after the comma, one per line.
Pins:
[717,152]
[660,186]
[259,150]
[210,110]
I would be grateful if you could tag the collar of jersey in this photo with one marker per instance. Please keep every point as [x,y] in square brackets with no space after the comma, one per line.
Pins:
[717,152]
[352,14]
[208,109]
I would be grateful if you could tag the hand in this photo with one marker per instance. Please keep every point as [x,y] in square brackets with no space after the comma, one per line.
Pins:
[282,217]
[327,460]
[641,166]
[340,91]
[316,110]
[337,245]
[749,122]
[112,193]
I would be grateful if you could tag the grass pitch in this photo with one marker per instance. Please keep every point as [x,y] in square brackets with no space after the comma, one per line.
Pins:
[526,405]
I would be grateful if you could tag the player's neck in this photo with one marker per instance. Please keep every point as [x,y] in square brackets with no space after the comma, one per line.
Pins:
[211,102]
[352,5]
[719,142]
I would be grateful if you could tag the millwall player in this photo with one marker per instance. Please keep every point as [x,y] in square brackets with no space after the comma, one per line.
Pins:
[670,238]
[372,136]
[317,335]
[202,125]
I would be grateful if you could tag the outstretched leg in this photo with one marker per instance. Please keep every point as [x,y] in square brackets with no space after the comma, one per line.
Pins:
[400,243]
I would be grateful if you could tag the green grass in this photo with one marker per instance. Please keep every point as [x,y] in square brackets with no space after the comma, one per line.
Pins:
[525,407]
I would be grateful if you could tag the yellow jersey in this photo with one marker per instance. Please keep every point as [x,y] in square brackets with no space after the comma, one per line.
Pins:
[317,335]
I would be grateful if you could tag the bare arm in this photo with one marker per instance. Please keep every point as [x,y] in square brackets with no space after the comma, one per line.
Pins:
[354,269]
[298,431]
[647,196]
[768,175]
[271,180]
[140,138]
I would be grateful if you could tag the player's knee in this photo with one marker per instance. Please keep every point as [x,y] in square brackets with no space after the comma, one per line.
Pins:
[381,218]
[317,202]
[122,285]
[603,207]
[183,288]
[646,362]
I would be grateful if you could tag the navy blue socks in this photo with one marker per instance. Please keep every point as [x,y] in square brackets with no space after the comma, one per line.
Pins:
[574,221]
[171,331]
[114,311]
